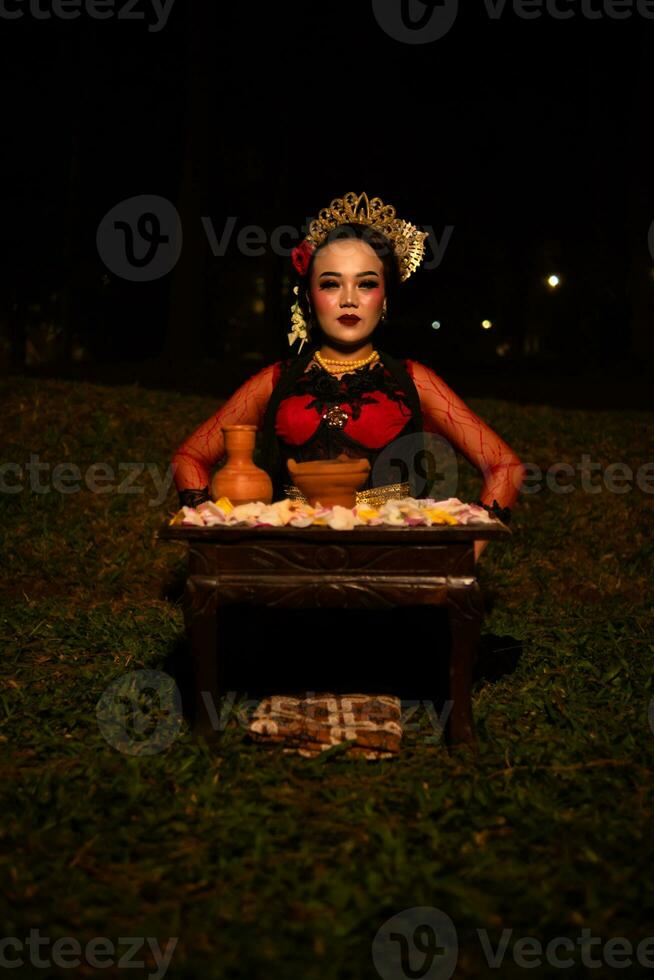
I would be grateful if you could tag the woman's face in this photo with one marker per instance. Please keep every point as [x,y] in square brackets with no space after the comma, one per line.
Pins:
[347,280]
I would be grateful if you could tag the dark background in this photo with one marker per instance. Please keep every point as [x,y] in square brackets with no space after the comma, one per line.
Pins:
[530,139]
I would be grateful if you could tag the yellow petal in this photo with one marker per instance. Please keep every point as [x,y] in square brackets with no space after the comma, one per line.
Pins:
[367,513]
[439,516]
[225,505]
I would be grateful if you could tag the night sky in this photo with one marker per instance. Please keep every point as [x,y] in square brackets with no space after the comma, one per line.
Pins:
[529,139]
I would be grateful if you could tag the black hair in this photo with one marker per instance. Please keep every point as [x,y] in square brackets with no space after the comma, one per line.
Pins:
[378,242]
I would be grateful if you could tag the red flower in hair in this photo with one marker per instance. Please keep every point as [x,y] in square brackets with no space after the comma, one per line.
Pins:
[301,256]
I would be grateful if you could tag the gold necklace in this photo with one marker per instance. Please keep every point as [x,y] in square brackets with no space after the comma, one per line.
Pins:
[334,366]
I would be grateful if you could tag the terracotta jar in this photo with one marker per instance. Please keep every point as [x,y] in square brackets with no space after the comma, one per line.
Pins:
[239,478]
[330,481]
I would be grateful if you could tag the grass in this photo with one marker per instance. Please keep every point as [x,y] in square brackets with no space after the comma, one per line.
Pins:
[265,864]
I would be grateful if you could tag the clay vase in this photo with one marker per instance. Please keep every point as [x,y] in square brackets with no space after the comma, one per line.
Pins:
[330,481]
[239,478]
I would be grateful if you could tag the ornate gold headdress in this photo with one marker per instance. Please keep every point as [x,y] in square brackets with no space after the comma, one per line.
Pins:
[407,241]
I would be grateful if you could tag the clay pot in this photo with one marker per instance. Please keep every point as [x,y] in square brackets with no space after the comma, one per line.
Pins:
[330,481]
[240,478]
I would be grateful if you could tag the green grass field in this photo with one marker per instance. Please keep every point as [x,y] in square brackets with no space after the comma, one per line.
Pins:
[268,865]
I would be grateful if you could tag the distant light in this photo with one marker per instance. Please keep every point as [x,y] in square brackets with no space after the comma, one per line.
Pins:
[486,324]
[553,281]
[436,325]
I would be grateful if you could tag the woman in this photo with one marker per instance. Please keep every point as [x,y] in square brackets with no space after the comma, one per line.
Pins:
[343,395]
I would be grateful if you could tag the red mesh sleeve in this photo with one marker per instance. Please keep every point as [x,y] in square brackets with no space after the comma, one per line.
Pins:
[446,414]
[204,448]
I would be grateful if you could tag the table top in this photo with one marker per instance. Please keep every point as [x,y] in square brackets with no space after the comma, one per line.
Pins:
[382,533]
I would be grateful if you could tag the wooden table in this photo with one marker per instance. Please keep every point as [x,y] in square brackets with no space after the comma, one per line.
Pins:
[318,567]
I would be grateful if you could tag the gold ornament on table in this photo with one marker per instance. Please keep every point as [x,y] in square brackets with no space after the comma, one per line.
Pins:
[408,242]
[375,497]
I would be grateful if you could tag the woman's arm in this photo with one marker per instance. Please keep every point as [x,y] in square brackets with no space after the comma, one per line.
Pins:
[204,448]
[448,415]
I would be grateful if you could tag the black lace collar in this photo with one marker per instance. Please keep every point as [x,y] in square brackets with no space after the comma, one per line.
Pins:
[354,387]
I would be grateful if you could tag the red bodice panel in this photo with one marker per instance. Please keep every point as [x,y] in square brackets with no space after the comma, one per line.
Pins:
[379,422]
[358,415]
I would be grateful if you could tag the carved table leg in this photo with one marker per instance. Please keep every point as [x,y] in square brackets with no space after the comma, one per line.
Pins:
[466,612]
[202,633]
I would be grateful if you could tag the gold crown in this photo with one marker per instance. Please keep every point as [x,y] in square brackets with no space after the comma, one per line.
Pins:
[408,243]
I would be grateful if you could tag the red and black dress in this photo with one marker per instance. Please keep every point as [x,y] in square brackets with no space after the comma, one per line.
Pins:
[314,415]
